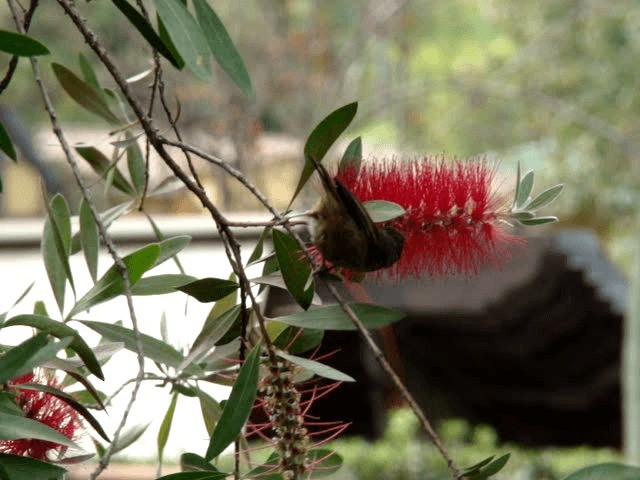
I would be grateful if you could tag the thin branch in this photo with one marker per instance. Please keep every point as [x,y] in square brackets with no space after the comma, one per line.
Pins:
[13,63]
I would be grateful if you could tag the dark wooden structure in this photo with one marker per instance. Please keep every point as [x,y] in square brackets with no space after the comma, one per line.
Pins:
[533,349]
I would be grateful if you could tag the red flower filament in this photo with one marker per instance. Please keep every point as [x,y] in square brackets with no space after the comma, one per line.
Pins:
[453,220]
[47,409]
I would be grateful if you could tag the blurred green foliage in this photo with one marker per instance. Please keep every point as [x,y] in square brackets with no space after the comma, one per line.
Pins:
[403,454]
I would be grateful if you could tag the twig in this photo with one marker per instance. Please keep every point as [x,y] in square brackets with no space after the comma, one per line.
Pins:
[122,269]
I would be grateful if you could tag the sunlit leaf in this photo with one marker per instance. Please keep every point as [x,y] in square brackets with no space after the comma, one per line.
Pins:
[524,189]
[606,471]
[545,198]
[14,427]
[160,284]
[21,45]
[111,284]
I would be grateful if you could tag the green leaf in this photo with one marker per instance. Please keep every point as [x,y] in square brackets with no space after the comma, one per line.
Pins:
[160,284]
[545,198]
[258,249]
[297,340]
[238,407]
[165,426]
[60,330]
[318,368]
[521,215]
[209,289]
[186,35]
[201,475]
[111,284]
[210,409]
[164,35]
[171,247]
[14,427]
[129,437]
[6,146]
[152,348]
[69,400]
[295,268]
[88,74]
[146,30]
[538,221]
[326,462]
[21,45]
[474,468]
[491,469]
[53,264]
[103,167]
[19,467]
[31,353]
[60,221]
[213,330]
[382,210]
[222,46]
[89,239]
[352,157]
[191,462]
[136,164]
[524,189]
[331,317]
[518,177]
[83,94]
[321,139]
[606,471]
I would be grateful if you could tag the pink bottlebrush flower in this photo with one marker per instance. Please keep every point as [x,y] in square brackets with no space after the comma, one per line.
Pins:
[453,220]
[47,409]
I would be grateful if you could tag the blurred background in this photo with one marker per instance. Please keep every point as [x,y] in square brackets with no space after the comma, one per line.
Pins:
[551,84]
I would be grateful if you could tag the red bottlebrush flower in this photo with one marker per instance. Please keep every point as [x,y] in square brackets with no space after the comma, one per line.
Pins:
[44,408]
[453,220]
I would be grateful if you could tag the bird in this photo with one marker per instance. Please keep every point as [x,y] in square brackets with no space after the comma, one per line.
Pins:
[346,235]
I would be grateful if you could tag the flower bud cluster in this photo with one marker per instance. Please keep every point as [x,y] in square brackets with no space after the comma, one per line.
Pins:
[283,406]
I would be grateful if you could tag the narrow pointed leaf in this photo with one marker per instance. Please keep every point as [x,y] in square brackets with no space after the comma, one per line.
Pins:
[147,31]
[61,330]
[222,46]
[209,289]
[296,340]
[90,239]
[6,146]
[191,462]
[524,189]
[258,249]
[318,368]
[12,363]
[238,407]
[352,157]
[321,139]
[331,317]
[152,348]
[60,222]
[538,221]
[186,35]
[295,268]
[14,427]
[54,264]
[111,284]
[129,437]
[25,468]
[161,284]
[200,475]
[88,74]
[165,426]
[382,210]
[69,400]
[103,167]
[210,409]
[170,247]
[166,39]
[21,45]
[545,198]
[136,164]
[83,94]
[325,461]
